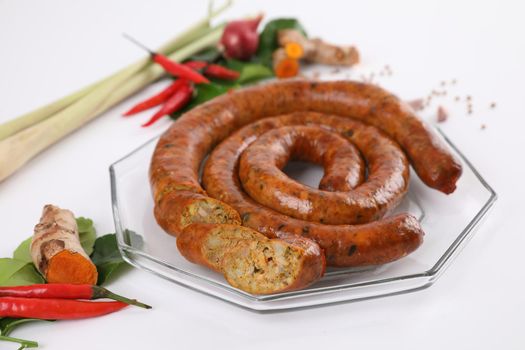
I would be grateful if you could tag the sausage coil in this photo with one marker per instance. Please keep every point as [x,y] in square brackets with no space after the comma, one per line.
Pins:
[363,136]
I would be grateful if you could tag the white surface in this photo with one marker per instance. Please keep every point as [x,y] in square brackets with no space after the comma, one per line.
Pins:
[54,47]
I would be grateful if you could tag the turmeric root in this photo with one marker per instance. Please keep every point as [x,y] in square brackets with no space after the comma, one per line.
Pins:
[316,50]
[56,249]
[283,65]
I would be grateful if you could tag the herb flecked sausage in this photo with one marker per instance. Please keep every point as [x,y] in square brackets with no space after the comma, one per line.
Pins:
[174,170]
[261,176]
[375,243]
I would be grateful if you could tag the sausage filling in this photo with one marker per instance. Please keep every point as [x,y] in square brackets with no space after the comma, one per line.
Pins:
[262,267]
[208,211]
[224,239]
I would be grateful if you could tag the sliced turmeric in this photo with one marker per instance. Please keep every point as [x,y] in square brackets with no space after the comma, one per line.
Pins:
[284,66]
[294,50]
[56,249]
[317,50]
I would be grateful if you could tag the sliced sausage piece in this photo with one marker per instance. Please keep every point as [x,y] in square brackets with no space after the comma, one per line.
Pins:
[206,244]
[178,209]
[250,261]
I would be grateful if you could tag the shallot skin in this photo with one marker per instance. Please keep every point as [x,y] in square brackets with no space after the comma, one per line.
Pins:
[240,39]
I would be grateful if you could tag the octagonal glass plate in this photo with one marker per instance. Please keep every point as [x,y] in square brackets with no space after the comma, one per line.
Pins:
[448,222]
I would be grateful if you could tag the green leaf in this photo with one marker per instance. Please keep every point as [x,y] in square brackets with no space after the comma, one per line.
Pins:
[210,55]
[106,257]
[18,273]
[203,93]
[250,72]
[268,38]
[23,252]
[87,234]
[8,324]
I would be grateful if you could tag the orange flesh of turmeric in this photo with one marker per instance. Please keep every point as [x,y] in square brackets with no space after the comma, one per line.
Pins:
[294,50]
[287,68]
[68,267]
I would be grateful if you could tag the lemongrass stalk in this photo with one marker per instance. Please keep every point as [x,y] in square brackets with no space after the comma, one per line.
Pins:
[196,31]
[13,126]
[19,148]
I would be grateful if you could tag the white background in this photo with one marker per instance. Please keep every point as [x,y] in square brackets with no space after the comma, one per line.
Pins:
[50,48]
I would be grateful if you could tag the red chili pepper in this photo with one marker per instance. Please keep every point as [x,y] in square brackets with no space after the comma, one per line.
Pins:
[153,100]
[177,69]
[179,99]
[174,68]
[213,70]
[56,309]
[65,291]
[197,65]
[220,72]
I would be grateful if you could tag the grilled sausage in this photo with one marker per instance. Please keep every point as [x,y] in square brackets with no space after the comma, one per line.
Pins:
[262,179]
[375,243]
[180,151]
[183,146]
[344,168]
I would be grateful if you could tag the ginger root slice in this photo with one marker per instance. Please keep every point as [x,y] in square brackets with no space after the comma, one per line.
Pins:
[56,250]
[319,51]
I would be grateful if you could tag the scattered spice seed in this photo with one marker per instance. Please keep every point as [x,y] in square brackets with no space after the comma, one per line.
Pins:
[493,105]
[457,98]
[417,104]
[483,126]
[442,114]
[469,98]
[453,82]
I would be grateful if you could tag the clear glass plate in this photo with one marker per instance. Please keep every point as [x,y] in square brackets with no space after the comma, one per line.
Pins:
[448,222]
